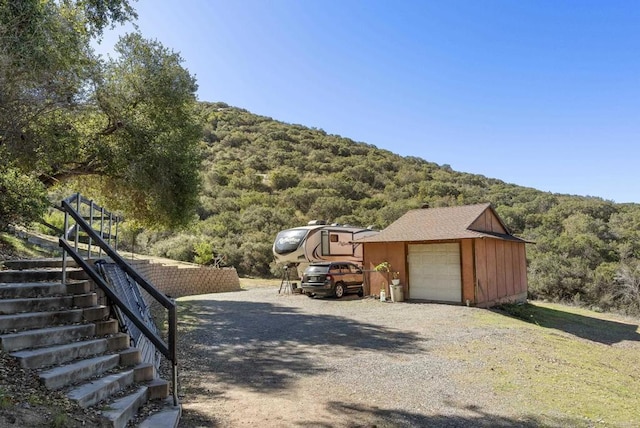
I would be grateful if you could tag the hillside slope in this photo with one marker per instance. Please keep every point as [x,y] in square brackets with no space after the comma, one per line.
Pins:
[261,176]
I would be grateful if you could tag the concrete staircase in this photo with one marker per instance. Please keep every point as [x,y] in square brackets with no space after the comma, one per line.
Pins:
[61,332]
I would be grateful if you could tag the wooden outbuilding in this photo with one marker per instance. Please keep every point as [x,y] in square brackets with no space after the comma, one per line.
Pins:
[460,255]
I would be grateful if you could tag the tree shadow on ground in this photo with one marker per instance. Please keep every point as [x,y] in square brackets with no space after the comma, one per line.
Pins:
[192,418]
[590,328]
[357,415]
[265,347]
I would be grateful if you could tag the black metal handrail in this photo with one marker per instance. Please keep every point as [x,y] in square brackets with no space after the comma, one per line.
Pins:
[168,350]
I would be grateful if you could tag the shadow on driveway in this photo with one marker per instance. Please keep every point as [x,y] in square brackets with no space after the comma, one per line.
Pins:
[355,415]
[264,346]
[594,329]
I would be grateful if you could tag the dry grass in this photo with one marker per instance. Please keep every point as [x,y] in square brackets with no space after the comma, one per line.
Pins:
[259,282]
[569,362]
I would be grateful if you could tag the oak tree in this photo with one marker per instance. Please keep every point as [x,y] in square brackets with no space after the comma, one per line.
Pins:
[126,125]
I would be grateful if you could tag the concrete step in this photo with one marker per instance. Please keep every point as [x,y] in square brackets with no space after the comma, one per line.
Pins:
[36,275]
[106,328]
[96,313]
[78,371]
[167,417]
[144,372]
[38,263]
[43,337]
[16,290]
[34,304]
[22,290]
[87,300]
[42,304]
[124,409]
[158,389]
[62,354]
[37,320]
[93,392]
[130,357]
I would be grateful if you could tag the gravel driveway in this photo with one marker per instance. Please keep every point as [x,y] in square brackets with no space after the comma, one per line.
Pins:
[257,358]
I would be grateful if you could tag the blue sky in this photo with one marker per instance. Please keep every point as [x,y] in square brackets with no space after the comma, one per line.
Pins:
[544,94]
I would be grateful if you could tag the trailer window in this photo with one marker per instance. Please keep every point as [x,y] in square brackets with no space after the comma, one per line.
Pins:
[288,241]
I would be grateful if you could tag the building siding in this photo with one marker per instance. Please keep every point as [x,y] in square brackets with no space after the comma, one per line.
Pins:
[468,274]
[376,253]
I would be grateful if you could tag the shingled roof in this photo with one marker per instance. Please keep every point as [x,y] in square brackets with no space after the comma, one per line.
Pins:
[438,224]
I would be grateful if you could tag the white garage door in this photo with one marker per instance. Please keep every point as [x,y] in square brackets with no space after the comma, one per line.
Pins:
[434,272]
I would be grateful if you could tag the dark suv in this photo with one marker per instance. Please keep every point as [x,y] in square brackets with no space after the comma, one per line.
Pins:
[332,279]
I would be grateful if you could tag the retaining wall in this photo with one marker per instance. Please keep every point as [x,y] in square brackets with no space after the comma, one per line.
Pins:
[178,281]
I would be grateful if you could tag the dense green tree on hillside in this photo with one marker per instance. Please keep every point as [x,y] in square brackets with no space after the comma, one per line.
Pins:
[129,122]
[262,176]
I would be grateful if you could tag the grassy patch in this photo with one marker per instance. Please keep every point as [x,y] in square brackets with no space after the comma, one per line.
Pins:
[559,361]
[5,400]
[246,282]
[12,245]
[60,420]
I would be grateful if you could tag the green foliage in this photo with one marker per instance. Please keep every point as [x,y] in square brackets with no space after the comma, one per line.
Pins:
[177,247]
[203,253]
[153,154]
[383,267]
[60,420]
[5,400]
[52,223]
[129,121]
[284,178]
[22,198]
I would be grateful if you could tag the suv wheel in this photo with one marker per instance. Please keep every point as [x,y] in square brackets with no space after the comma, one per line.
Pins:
[360,292]
[339,290]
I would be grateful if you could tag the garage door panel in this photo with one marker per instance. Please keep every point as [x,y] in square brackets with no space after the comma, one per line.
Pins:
[434,272]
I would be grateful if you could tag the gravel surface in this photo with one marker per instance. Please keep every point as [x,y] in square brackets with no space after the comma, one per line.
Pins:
[258,358]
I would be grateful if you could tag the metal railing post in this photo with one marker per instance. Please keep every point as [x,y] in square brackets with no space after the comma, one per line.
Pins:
[64,253]
[117,224]
[173,351]
[91,225]
[109,228]
[77,231]
[101,228]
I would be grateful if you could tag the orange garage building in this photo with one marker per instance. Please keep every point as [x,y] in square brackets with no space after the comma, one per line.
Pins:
[459,255]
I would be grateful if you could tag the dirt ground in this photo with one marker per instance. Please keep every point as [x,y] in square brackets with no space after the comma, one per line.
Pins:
[271,360]
[257,358]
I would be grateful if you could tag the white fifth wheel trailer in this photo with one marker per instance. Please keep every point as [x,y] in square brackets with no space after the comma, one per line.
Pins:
[318,242]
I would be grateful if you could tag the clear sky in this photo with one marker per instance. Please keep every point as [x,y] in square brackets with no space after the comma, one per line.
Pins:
[544,94]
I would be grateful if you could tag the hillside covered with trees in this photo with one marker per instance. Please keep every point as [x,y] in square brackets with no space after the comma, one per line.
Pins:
[261,176]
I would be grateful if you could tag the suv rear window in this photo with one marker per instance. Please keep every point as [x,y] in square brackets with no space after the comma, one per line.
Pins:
[317,269]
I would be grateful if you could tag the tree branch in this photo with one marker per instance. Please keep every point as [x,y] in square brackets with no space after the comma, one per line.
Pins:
[50,180]
[112,128]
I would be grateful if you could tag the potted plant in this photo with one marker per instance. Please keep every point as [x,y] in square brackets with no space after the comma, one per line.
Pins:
[384,267]
[395,278]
